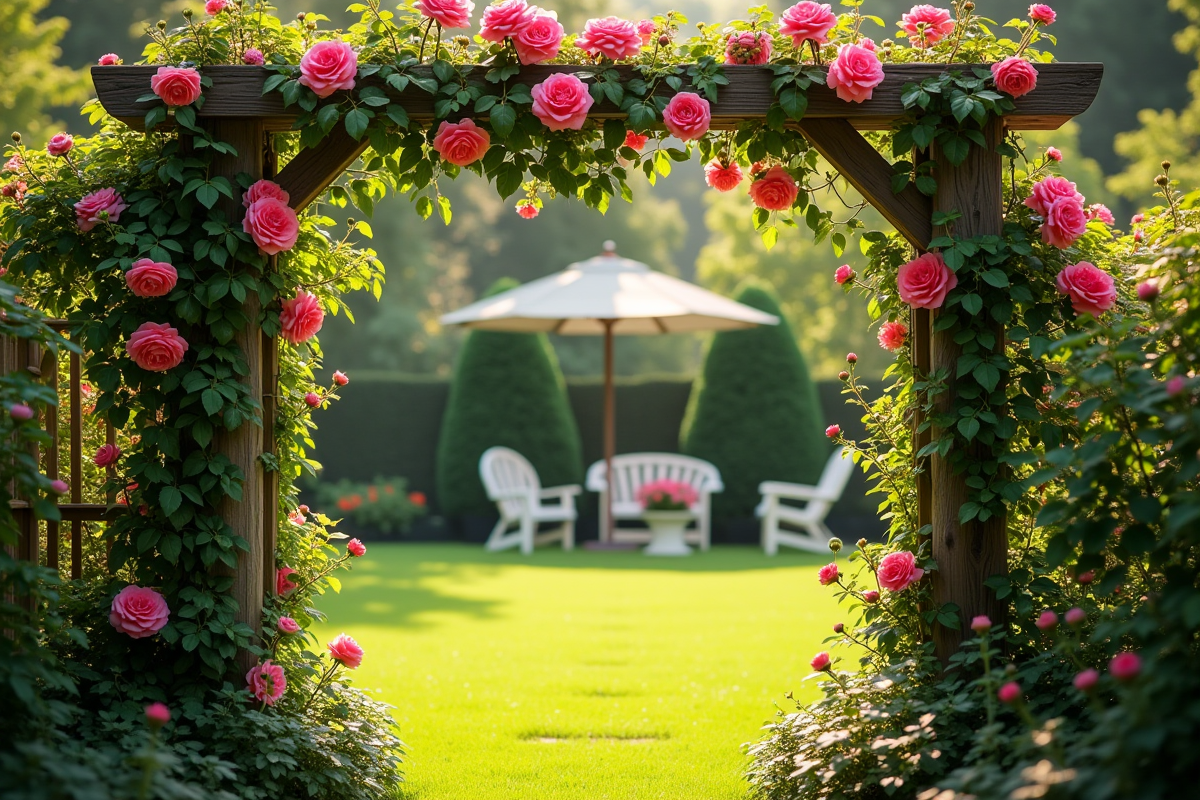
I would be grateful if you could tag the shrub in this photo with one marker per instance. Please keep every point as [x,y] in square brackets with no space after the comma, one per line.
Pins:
[754,410]
[507,391]
[385,504]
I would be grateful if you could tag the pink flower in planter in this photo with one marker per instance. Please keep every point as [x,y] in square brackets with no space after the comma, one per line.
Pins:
[1042,14]
[898,571]
[356,548]
[1047,621]
[855,73]
[138,612]
[104,205]
[264,188]
[748,47]
[775,190]
[820,662]
[927,25]
[1125,666]
[892,336]
[345,650]
[283,580]
[540,40]
[1086,680]
[147,278]
[981,624]
[611,37]
[447,13]
[1010,693]
[828,574]
[176,86]
[109,60]
[807,22]
[253,57]
[635,141]
[461,143]
[288,625]
[1065,222]
[1091,289]
[665,490]
[1048,191]
[505,20]
[106,456]
[157,715]
[722,177]
[60,144]
[266,682]
[1015,75]
[924,282]
[329,67]
[687,116]
[301,317]
[561,102]
[156,347]
[272,224]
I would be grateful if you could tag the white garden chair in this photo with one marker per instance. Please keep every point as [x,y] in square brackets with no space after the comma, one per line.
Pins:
[809,518]
[632,470]
[512,483]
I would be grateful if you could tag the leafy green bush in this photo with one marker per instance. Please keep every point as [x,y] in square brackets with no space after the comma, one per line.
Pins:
[507,391]
[754,410]
[384,503]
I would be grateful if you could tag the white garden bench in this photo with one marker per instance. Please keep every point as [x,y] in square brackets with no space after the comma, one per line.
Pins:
[513,485]
[810,518]
[632,470]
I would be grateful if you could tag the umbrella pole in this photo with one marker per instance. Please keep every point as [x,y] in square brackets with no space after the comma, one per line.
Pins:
[610,430]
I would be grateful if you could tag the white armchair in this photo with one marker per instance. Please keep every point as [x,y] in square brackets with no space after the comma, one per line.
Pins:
[513,485]
[809,518]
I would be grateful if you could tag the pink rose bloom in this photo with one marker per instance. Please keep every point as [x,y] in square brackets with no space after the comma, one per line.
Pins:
[297,518]
[1015,75]
[272,224]
[283,580]
[102,206]
[843,274]
[312,399]
[214,7]
[892,336]
[106,456]
[328,67]
[1065,222]
[346,650]
[833,431]
[645,30]
[109,60]
[20,412]
[981,624]
[1086,680]
[527,209]
[924,282]
[1046,192]
[807,22]
[611,37]
[301,317]
[148,278]
[1136,219]
[1175,386]
[356,548]
[561,102]
[60,144]
[898,571]
[748,47]
[447,13]
[820,662]
[157,715]
[266,682]
[635,141]
[776,190]
[1046,621]
[855,73]
[156,347]
[1054,154]
[1075,617]
[540,40]
[59,487]
[176,86]
[722,177]
[340,378]
[927,25]
[1010,693]
[14,164]
[1125,666]
[1042,14]
[462,143]
[1092,290]
[687,116]
[264,188]
[1148,291]
[1101,212]
[871,597]
[828,574]
[288,625]
[138,612]
[253,57]
[505,20]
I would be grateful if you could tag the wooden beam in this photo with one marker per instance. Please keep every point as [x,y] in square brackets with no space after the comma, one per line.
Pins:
[910,212]
[311,171]
[1064,91]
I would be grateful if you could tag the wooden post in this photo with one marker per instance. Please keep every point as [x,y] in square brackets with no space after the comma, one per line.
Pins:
[967,554]
[610,432]
[244,445]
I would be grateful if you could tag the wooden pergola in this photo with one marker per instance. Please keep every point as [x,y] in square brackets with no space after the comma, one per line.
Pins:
[237,112]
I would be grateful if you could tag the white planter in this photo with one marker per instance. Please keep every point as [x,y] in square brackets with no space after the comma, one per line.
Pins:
[666,532]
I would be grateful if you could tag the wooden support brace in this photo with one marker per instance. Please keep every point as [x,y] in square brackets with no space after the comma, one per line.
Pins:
[311,172]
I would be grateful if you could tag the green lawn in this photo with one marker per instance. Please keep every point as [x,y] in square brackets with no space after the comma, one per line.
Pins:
[582,675]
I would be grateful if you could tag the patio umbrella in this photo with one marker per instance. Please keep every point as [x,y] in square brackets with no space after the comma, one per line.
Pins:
[613,296]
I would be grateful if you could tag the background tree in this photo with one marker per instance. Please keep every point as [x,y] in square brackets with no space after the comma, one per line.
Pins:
[30,80]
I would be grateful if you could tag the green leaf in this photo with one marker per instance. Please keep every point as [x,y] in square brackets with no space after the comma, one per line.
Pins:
[208,195]
[169,499]
[794,103]
[328,116]
[503,118]
[972,304]
[212,400]
[356,123]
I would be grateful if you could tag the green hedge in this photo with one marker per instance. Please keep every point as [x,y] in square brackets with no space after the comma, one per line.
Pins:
[754,411]
[507,390]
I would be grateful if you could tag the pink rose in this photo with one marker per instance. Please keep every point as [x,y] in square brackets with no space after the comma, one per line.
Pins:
[109,60]
[807,22]
[855,73]
[301,317]
[106,456]
[776,190]
[272,224]
[1086,680]
[1049,190]
[288,625]
[447,13]
[610,37]
[1015,75]
[214,7]
[102,206]
[340,378]
[1092,290]
[1101,212]
[1054,154]
[925,281]
[927,25]
[1075,617]
[356,548]
[264,188]
[176,86]
[20,412]
[1125,666]
[1065,222]
[505,20]
[635,141]
[820,662]
[892,336]
[59,487]
[461,143]
[1047,621]
[15,164]
[60,144]
[828,574]
[1148,291]
[312,399]
[156,347]
[870,597]
[283,580]
[1136,219]
[748,47]
[328,67]
[833,431]
[843,275]
[253,57]
[527,209]
[148,278]
[898,571]
[1176,386]
[138,612]
[1009,693]
[561,102]
[981,624]
[157,715]
[346,650]
[540,40]
[687,116]
[722,177]
[266,682]
[1042,14]
[645,30]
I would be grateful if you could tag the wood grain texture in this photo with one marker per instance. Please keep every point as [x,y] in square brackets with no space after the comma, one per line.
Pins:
[311,172]
[270,484]
[910,212]
[967,554]
[1064,91]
